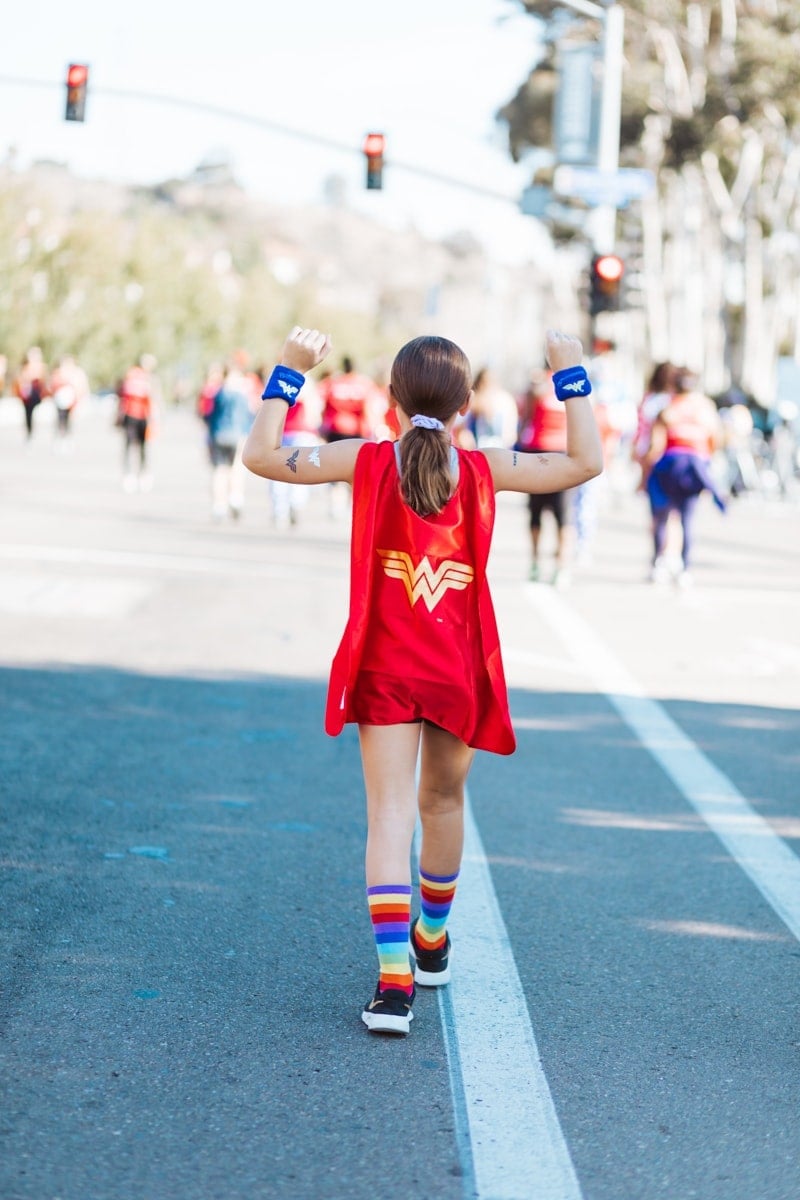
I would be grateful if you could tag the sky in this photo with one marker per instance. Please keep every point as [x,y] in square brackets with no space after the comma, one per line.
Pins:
[429,74]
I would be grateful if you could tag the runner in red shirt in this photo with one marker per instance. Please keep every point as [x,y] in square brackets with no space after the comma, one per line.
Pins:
[543,429]
[348,403]
[350,408]
[30,385]
[134,415]
[419,666]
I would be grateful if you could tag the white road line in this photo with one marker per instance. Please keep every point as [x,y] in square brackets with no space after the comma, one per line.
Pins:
[514,1139]
[748,838]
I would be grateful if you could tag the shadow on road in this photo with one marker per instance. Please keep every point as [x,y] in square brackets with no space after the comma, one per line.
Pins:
[186,948]
[187,951]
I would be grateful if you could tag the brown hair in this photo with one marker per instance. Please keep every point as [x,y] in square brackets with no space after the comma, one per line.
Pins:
[663,377]
[431,376]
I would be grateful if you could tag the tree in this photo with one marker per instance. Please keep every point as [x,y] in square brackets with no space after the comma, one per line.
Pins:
[711,104]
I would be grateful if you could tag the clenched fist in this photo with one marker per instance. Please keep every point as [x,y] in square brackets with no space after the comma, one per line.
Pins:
[304,349]
[562,350]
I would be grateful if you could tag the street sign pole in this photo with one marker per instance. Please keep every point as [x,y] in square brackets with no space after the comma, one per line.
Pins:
[605,218]
[602,225]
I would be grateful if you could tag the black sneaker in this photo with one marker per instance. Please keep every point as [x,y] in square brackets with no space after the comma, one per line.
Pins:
[389,1011]
[433,966]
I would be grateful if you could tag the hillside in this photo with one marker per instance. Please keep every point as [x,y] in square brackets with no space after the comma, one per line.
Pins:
[191,269]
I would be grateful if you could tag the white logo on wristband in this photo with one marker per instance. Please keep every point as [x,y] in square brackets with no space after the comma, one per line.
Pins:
[287,388]
[577,386]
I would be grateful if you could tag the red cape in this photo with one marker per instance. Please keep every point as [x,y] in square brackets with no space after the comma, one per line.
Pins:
[419,594]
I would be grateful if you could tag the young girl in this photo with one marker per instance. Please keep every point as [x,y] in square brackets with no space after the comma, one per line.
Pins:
[419,667]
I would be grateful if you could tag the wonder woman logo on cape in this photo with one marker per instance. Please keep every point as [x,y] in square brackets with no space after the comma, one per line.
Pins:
[422,582]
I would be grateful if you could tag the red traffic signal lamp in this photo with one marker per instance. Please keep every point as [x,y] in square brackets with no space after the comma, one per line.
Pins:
[77,83]
[374,145]
[607,272]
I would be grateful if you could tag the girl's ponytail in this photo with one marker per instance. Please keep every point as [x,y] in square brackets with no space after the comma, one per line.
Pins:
[430,376]
[425,478]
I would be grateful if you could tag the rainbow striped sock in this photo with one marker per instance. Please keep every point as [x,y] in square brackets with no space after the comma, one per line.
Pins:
[390,912]
[436,893]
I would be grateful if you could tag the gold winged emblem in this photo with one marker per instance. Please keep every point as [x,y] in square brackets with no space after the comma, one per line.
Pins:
[422,582]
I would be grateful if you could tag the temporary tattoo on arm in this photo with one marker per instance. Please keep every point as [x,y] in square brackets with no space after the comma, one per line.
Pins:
[543,459]
[291,461]
[313,457]
[514,461]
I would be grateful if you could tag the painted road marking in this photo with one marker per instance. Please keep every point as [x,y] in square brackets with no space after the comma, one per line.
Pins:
[748,838]
[507,1130]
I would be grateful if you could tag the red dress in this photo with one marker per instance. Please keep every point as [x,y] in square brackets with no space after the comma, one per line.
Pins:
[421,640]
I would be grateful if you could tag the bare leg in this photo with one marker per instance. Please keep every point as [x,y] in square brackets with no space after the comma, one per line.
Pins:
[563,545]
[660,524]
[564,542]
[236,482]
[389,758]
[535,535]
[535,532]
[445,765]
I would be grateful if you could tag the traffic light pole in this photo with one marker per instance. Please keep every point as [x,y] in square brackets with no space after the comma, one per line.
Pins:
[612,16]
[602,224]
[605,217]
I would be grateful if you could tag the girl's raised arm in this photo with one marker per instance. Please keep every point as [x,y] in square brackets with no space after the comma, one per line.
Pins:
[263,453]
[517,471]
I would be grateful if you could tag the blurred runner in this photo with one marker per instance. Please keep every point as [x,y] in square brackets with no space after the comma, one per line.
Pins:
[69,385]
[492,412]
[301,428]
[349,404]
[134,416]
[543,430]
[685,435]
[30,385]
[657,395]
[348,401]
[229,423]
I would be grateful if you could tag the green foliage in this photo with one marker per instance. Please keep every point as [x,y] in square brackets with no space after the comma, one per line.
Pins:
[528,114]
[686,69]
[143,273]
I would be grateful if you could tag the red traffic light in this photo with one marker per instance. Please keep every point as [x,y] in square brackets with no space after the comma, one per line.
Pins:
[609,268]
[374,144]
[77,75]
[606,283]
[77,84]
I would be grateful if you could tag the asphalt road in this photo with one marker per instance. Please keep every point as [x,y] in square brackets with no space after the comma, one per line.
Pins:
[185,946]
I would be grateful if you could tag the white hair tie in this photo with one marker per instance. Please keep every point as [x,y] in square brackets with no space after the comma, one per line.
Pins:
[423,422]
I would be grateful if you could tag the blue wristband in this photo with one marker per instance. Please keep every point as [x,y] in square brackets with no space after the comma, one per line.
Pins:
[283,384]
[572,381]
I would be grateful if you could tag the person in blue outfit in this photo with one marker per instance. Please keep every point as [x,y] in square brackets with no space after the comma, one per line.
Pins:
[229,423]
[685,435]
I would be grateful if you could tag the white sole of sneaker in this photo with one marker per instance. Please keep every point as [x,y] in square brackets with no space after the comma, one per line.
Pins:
[432,978]
[381,1023]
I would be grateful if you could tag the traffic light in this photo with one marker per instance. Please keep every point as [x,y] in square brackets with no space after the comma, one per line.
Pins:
[77,82]
[605,283]
[373,148]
